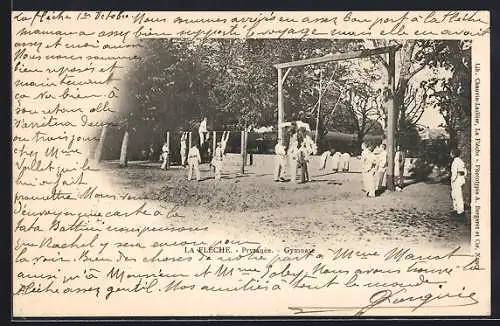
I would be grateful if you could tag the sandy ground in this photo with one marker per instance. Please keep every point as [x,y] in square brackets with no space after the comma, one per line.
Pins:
[329,208]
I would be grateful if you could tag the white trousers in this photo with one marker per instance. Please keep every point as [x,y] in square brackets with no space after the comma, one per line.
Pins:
[292,165]
[457,195]
[218,168]
[279,167]
[344,164]
[369,183]
[164,164]
[335,163]
[194,167]
[380,179]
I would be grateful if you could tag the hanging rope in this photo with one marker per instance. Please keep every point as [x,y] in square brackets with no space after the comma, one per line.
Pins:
[313,109]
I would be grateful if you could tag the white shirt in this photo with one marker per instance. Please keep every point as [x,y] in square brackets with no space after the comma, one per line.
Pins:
[279,150]
[308,145]
[368,161]
[164,149]
[203,126]
[457,166]
[194,154]
[293,151]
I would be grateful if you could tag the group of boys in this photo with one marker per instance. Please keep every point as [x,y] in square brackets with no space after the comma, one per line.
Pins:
[374,168]
[340,161]
[192,157]
[296,155]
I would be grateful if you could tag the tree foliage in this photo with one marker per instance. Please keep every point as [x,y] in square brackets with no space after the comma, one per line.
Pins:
[233,83]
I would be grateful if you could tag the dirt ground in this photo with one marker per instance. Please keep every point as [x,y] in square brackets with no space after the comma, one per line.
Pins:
[331,206]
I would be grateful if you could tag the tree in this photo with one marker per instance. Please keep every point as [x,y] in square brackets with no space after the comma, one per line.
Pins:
[413,57]
[452,96]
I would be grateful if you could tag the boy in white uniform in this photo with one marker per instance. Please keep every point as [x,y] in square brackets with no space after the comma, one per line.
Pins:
[183,150]
[164,156]
[345,162]
[382,168]
[279,161]
[202,131]
[194,160]
[336,161]
[324,158]
[399,164]
[293,156]
[369,169]
[363,154]
[307,149]
[458,173]
[217,161]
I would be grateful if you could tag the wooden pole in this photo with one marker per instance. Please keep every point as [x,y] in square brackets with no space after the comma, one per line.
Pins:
[281,110]
[100,145]
[319,107]
[243,149]
[391,122]
[339,56]
[246,146]
[214,142]
[168,146]
[190,140]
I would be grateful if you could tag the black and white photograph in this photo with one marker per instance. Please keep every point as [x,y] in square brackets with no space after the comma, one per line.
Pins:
[262,128]
[250,164]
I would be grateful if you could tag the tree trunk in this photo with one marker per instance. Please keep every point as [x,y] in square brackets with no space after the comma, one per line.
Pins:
[100,145]
[123,152]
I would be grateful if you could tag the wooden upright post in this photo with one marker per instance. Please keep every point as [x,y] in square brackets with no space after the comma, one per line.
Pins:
[214,142]
[243,152]
[319,107]
[281,110]
[100,145]
[168,153]
[391,122]
[246,147]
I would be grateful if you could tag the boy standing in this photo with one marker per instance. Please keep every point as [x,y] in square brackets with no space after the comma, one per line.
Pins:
[399,168]
[194,160]
[458,173]
[217,161]
[165,156]
[293,157]
[382,167]
[345,162]
[369,164]
[279,161]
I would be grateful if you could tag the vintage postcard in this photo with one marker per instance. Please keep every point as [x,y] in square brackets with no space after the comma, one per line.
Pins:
[294,164]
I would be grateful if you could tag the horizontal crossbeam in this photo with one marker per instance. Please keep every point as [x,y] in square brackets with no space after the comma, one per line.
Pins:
[339,56]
